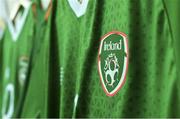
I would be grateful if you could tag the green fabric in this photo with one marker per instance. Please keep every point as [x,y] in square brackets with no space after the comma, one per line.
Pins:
[52,68]
[8,77]
[152,72]
[15,65]
[1,50]
[174,18]
[36,100]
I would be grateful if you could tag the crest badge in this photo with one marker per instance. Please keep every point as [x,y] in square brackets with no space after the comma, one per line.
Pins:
[113,61]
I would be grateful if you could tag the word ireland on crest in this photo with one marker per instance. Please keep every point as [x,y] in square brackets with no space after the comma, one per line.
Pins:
[113,61]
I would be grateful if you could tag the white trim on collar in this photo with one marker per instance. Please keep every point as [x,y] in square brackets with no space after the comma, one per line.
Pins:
[78,8]
[16,29]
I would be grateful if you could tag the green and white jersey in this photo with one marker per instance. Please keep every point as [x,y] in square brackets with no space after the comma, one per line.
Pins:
[122,47]
[36,100]
[8,76]
[17,47]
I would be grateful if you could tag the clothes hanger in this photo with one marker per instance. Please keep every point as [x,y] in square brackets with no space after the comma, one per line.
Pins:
[48,9]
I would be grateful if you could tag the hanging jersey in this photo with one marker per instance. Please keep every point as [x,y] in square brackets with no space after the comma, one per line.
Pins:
[1,65]
[94,49]
[16,55]
[2,29]
[174,18]
[36,100]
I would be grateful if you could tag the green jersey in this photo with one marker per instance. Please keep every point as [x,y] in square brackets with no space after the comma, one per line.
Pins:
[2,29]
[175,27]
[36,100]
[98,40]
[1,44]
[16,53]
